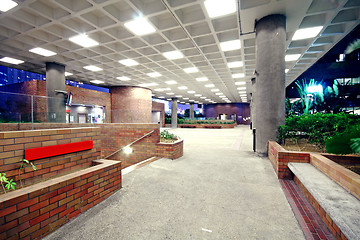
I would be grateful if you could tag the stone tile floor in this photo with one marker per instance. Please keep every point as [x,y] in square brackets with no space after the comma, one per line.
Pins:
[310,222]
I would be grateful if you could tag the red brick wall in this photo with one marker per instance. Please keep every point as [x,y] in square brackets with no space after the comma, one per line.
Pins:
[279,158]
[13,144]
[131,104]
[159,107]
[170,150]
[34,212]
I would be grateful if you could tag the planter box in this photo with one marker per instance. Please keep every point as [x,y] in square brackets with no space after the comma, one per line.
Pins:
[170,150]
[35,211]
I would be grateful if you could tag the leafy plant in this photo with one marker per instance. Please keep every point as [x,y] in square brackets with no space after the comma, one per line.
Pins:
[23,164]
[355,145]
[9,183]
[342,143]
[165,134]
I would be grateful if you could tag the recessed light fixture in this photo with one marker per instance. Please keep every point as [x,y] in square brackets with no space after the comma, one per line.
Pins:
[171,82]
[201,79]
[42,52]
[238,75]
[215,90]
[203,97]
[11,60]
[93,68]
[197,95]
[216,8]
[292,57]
[182,87]
[230,45]
[162,89]
[68,74]
[185,98]
[241,88]
[179,96]
[96,81]
[140,26]
[172,55]
[190,91]
[154,74]
[219,93]
[152,84]
[235,64]
[209,85]
[242,95]
[222,96]
[240,83]
[305,33]
[191,70]
[83,40]
[6,5]
[287,70]
[123,78]
[128,62]
[242,92]
[161,97]
[182,102]
[170,93]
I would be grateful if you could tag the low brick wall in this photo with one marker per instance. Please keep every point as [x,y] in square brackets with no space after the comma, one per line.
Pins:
[170,150]
[113,136]
[279,158]
[341,175]
[35,211]
[207,125]
[14,143]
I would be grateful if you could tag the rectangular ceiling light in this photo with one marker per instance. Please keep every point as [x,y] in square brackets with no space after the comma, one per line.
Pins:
[93,68]
[83,40]
[170,93]
[123,78]
[96,81]
[241,88]
[235,64]
[140,26]
[128,62]
[242,92]
[172,55]
[190,92]
[171,82]
[230,45]
[42,52]
[11,60]
[219,93]
[68,74]
[203,97]
[215,90]
[209,85]
[152,84]
[6,5]
[197,95]
[202,79]
[238,75]
[182,87]
[305,33]
[216,8]
[292,57]
[240,83]
[191,70]
[154,74]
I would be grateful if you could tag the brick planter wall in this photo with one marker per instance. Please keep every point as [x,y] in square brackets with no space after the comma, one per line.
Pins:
[207,125]
[37,210]
[170,150]
[279,158]
[14,143]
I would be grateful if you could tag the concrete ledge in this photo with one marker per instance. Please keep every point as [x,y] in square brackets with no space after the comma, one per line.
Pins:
[339,209]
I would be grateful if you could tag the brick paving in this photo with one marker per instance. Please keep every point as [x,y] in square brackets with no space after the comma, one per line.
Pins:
[310,222]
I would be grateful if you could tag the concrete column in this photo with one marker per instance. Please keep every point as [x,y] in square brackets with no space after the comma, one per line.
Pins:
[174,112]
[56,92]
[252,102]
[270,79]
[192,114]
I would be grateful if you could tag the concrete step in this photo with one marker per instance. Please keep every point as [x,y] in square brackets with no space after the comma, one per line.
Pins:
[340,206]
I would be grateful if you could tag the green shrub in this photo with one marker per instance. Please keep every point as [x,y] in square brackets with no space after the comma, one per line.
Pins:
[180,121]
[317,128]
[165,134]
[341,143]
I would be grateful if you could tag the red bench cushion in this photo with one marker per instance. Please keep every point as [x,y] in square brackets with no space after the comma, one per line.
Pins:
[49,151]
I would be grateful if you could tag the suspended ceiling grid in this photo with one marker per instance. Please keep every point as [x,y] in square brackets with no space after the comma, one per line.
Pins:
[182,25]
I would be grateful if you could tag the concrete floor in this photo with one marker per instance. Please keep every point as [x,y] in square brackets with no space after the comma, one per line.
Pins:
[219,189]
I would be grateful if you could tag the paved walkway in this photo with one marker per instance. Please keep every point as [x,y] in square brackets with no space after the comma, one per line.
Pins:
[219,189]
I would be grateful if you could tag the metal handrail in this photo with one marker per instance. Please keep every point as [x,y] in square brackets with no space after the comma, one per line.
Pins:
[130,144]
